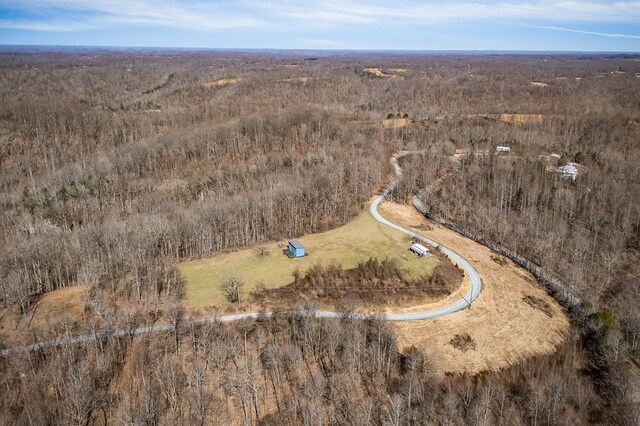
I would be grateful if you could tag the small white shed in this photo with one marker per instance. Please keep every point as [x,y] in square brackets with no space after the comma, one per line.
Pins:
[503,149]
[419,249]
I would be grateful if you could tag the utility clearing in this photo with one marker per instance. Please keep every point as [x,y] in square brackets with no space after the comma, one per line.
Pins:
[513,318]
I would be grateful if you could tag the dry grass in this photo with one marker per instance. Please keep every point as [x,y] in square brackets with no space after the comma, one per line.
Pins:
[500,260]
[65,305]
[521,118]
[504,327]
[395,123]
[377,72]
[539,84]
[355,242]
[222,82]
[512,118]
[538,303]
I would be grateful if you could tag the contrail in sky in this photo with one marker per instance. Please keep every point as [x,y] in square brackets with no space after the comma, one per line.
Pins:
[569,30]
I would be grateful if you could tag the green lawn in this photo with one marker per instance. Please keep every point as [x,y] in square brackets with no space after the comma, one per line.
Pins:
[357,241]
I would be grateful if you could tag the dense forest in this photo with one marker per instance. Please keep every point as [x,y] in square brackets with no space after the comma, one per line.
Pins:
[116,165]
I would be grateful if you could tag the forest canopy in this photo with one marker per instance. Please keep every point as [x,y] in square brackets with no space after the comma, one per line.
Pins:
[117,165]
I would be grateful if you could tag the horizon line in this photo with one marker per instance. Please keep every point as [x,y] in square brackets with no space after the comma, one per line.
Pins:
[326,50]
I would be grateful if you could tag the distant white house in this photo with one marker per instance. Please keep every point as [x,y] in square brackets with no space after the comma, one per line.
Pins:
[419,249]
[503,148]
[568,170]
[555,157]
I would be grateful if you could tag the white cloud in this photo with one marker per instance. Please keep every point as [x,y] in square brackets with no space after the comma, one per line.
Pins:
[70,15]
[570,30]
[55,26]
[54,15]
[337,12]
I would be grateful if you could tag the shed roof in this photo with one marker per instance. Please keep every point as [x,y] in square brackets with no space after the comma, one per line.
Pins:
[296,244]
[419,247]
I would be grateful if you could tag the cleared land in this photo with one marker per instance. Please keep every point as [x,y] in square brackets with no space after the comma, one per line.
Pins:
[539,84]
[395,123]
[379,73]
[56,311]
[504,327]
[222,82]
[359,240]
[521,118]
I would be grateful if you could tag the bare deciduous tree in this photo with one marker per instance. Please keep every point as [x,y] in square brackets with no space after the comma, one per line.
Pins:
[231,288]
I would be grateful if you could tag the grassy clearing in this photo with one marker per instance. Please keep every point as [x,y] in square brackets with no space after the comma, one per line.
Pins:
[222,82]
[357,241]
[379,73]
[539,84]
[304,79]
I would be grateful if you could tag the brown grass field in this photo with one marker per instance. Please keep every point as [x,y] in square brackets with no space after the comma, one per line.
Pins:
[539,84]
[222,82]
[60,308]
[503,326]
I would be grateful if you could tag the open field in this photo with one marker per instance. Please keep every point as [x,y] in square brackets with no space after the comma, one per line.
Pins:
[502,323]
[395,123]
[355,242]
[377,72]
[539,84]
[523,118]
[62,308]
[222,82]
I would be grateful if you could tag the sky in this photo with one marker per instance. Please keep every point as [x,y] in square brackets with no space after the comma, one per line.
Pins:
[612,26]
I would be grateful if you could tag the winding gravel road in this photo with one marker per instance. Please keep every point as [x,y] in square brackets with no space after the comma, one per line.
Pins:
[463,302]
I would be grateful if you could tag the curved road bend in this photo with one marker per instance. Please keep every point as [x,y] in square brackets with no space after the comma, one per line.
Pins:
[463,302]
